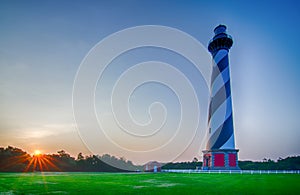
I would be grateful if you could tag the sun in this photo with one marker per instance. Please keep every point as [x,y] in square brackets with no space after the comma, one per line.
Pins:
[37,152]
[41,162]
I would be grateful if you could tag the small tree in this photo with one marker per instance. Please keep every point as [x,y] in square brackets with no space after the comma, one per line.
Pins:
[80,157]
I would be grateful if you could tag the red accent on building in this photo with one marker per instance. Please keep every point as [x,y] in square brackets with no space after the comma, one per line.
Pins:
[232,160]
[207,160]
[219,160]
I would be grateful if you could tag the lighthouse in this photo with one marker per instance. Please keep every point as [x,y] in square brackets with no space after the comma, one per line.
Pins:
[220,152]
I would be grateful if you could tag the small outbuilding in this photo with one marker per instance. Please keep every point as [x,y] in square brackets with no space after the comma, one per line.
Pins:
[152,166]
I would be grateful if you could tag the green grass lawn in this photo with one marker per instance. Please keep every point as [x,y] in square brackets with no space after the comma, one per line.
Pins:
[148,183]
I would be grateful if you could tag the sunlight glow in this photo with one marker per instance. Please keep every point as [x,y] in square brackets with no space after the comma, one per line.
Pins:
[37,152]
[41,162]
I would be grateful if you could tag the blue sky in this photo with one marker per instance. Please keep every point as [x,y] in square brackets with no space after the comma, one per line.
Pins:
[42,44]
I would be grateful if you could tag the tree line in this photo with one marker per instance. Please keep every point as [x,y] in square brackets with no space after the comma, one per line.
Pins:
[289,163]
[13,159]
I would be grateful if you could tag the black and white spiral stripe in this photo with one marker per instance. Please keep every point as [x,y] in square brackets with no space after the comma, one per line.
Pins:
[220,119]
